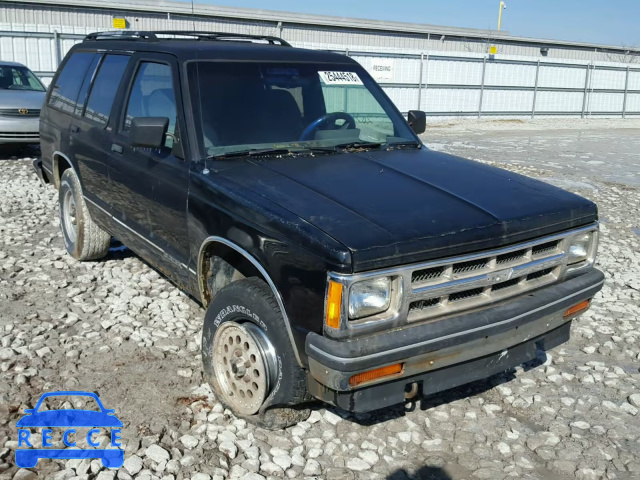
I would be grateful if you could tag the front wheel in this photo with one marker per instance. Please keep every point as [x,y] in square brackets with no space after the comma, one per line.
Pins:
[248,359]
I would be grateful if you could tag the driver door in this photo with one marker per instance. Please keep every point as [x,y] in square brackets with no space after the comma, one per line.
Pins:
[152,183]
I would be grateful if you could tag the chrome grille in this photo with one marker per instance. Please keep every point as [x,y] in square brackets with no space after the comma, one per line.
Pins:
[511,257]
[449,286]
[465,294]
[517,285]
[508,284]
[422,304]
[547,247]
[539,274]
[471,266]
[16,112]
[426,274]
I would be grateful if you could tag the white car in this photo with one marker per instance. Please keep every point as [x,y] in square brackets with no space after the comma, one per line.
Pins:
[21,98]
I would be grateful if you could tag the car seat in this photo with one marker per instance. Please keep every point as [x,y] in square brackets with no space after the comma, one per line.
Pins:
[282,121]
[161,102]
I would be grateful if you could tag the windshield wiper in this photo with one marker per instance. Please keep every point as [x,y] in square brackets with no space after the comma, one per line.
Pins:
[372,145]
[357,144]
[411,143]
[252,152]
[256,152]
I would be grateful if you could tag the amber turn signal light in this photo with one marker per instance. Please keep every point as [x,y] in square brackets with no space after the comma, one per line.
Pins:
[577,308]
[334,304]
[376,373]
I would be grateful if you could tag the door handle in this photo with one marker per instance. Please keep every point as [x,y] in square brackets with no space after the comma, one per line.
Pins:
[75,128]
[116,148]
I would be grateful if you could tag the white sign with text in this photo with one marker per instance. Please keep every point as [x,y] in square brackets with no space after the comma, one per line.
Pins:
[382,70]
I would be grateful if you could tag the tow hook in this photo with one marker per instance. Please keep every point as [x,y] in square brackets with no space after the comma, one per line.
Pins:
[410,390]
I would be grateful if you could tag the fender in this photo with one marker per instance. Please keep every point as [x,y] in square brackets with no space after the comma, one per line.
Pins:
[262,271]
[56,176]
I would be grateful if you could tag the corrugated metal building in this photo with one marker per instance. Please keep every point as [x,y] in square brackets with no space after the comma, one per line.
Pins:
[314,31]
[444,71]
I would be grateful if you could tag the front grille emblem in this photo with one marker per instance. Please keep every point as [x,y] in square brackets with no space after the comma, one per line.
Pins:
[501,276]
[23,111]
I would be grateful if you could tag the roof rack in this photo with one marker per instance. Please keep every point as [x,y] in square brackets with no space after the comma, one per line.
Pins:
[121,35]
[199,35]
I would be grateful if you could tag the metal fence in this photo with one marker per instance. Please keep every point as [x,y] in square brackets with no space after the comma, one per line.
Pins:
[454,84]
[484,85]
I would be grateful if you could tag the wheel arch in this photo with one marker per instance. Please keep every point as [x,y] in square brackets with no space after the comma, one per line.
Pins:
[244,263]
[60,163]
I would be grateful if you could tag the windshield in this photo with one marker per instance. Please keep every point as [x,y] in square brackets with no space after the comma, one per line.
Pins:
[287,106]
[19,78]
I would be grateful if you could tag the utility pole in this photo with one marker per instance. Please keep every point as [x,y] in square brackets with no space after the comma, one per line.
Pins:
[494,49]
[502,7]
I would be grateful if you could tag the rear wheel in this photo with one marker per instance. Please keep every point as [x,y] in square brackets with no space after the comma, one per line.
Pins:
[83,239]
[248,359]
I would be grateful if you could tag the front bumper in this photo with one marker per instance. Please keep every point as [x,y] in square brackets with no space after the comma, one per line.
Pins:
[446,353]
[19,130]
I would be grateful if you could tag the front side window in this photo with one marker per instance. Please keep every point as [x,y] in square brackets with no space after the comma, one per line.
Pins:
[19,78]
[253,106]
[104,88]
[152,95]
[64,93]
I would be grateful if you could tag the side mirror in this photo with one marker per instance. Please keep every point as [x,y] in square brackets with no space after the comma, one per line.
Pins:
[149,131]
[417,121]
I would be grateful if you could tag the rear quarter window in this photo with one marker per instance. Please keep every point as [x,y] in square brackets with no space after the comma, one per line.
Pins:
[86,85]
[64,93]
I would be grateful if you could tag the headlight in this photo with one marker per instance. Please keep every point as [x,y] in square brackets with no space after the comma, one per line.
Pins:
[580,247]
[369,297]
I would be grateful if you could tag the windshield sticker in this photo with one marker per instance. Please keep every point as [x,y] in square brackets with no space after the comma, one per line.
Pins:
[340,78]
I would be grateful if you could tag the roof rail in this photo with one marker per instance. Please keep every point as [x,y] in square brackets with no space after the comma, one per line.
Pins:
[121,35]
[199,35]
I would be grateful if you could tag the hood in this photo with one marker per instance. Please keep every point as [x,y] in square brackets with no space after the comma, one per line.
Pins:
[396,207]
[21,99]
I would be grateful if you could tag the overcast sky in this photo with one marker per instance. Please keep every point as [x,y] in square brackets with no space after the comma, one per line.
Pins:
[614,22]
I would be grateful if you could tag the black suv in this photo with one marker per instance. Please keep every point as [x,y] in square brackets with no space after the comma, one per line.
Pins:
[337,257]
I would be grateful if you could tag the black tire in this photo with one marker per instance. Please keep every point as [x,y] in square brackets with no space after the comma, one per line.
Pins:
[251,300]
[87,241]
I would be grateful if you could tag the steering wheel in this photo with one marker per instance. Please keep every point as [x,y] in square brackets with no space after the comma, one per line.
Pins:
[328,119]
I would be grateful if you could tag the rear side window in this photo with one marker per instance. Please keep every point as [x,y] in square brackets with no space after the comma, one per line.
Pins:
[105,87]
[64,93]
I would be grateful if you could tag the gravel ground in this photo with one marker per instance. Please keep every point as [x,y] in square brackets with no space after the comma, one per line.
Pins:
[120,329]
